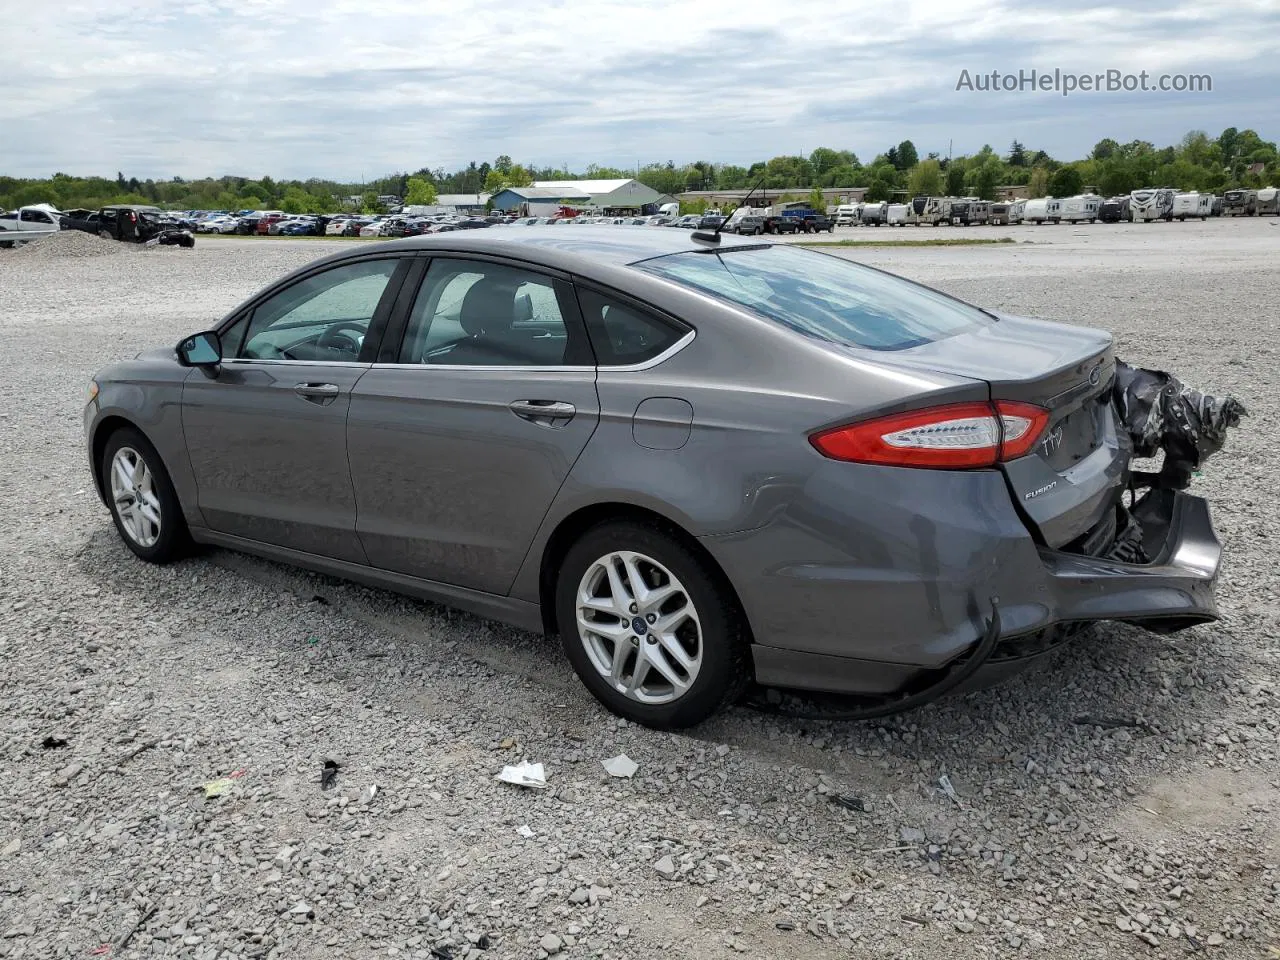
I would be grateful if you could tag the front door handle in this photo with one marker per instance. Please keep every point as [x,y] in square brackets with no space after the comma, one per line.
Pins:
[322,393]
[543,412]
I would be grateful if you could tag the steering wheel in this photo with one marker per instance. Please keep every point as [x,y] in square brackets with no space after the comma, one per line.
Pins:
[337,337]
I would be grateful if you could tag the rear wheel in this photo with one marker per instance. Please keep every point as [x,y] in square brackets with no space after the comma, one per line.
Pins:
[141,498]
[654,635]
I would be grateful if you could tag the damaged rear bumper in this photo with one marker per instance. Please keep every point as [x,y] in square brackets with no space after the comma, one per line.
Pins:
[1042,606]
[1173,590]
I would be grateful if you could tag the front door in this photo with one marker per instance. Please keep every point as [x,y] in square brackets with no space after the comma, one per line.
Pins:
[459,447]
[267,435]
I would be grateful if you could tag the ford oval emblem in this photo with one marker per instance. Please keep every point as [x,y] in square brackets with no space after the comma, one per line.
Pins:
[1095,375]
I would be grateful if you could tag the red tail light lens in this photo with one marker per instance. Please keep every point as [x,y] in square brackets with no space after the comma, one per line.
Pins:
[951,437]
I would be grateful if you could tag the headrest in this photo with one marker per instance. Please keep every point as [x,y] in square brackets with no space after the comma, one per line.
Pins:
[487,308]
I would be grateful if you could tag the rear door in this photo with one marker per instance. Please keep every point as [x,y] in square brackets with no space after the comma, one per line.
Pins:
[461,435]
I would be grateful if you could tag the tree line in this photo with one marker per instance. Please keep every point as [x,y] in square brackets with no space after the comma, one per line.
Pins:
[1236,158]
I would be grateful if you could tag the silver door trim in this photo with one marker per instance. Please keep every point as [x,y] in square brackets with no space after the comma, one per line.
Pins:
[666,355]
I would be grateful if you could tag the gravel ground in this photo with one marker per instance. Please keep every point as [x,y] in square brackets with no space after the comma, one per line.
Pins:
[1155,838]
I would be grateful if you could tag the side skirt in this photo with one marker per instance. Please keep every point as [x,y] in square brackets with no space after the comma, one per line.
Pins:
[518,613]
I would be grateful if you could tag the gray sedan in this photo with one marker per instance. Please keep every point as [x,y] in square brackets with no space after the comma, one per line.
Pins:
[700,461]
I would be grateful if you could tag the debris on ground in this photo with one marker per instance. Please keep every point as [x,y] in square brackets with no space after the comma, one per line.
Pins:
[849,802]
[525,831]
[329,774]
[525,774]
[368,793]
[620,766]
[222,785]
[944,781]
[53,743]
[666,867]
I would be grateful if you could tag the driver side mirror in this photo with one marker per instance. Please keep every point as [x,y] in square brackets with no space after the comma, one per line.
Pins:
[200,350]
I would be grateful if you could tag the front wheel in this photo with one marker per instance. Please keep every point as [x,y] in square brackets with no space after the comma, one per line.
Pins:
[655,636]
[141,498]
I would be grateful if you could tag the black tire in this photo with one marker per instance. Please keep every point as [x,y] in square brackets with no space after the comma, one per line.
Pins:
[174,541]
[725,667]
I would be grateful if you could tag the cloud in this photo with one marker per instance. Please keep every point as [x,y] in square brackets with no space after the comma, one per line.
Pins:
[347,89]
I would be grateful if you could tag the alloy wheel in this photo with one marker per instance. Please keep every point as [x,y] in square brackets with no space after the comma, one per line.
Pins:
[133,492]
[639,627]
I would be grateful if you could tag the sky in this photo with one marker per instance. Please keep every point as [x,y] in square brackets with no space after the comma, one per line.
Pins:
[354,89]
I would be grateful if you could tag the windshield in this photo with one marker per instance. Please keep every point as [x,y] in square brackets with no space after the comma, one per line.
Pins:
[825,297]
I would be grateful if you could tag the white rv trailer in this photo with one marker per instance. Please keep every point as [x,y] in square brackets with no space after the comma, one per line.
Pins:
[847,215]
[1151,203]
[1192,205]
[1017,209]
[1084,206]
[1036,211]
[1053,209]
[1268,201]
[897,214]
[874,214]
[931,210]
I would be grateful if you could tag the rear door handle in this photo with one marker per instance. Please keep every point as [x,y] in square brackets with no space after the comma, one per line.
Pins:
[544,412]
[321,393]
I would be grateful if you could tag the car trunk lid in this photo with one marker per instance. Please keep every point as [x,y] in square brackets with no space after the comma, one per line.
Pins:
[1068,485]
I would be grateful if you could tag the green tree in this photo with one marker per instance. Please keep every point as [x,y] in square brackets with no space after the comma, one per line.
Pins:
[1038,182]
[817,201]
[502,164]
[1065,182]
[1017,155]
[420,192]
[1105,149]
[879,190]
[907,156]
[926,179]
[369,203]
[955,178]
[495,182]
[983,178]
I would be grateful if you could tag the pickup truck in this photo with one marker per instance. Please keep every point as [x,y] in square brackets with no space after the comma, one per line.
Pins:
[36,221]
[818,223]
[783,224]
[132,224]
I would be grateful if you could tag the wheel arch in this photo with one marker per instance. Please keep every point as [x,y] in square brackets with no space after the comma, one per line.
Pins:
[102,432]
[571,528]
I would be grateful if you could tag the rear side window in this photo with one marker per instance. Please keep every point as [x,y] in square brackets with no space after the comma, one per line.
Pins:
[622,334]
[825,297]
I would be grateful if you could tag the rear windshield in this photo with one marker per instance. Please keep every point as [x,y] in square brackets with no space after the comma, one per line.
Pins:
[825,297]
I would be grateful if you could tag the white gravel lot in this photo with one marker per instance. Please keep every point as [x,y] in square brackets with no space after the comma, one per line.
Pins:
[1069,840]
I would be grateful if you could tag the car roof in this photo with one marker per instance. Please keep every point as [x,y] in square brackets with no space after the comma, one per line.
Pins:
[567,248]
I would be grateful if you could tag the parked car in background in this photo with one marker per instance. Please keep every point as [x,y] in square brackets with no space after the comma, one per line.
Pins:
[817,223]
[781,224]
[709,221]
[39,218]
[752,225]
[893,521]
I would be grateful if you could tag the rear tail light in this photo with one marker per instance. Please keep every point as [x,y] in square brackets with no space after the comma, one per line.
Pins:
[950,437]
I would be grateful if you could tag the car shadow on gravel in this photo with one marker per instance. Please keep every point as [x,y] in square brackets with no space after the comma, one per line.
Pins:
[1115,687]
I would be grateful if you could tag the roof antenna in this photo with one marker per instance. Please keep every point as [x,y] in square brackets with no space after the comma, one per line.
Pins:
[714,236]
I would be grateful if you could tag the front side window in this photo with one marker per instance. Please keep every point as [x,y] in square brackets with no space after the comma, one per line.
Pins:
[322,318]
[478,313]
[821,296]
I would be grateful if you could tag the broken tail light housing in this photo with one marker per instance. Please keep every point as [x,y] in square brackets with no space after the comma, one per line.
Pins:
[954,436]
